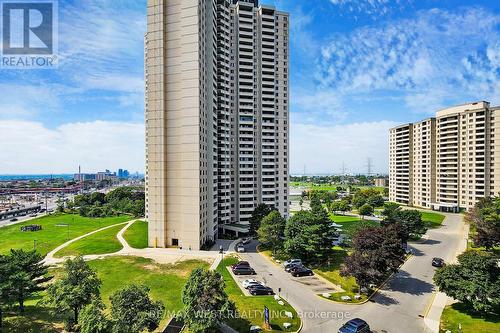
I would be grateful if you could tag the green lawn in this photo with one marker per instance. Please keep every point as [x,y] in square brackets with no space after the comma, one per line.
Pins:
[99,243]
[459,314]
[165,281]
[432,220]
[137,235]
[52,235]
[332,272]
[351,223]
[35,320]
[329,187]
[251,308]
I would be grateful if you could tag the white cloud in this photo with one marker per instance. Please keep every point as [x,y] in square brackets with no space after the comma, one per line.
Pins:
[314,105]
[322,149]
[30,147]
[431,55]
[373,8]
[23,101]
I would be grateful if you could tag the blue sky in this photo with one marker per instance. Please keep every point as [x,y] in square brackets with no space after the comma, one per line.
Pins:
[358,68]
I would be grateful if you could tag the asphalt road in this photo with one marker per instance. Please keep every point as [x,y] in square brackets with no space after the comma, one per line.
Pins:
[396,308]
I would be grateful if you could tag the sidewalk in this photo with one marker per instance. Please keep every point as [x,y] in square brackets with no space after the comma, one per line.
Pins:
[160,255]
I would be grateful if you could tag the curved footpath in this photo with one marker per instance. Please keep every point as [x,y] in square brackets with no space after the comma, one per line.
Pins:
[399,306]
[160,255]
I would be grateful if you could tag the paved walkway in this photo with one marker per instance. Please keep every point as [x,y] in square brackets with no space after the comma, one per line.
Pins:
[160,255]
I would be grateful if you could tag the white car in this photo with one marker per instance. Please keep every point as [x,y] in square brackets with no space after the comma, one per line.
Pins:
[292,261]
[250,282]
[240,248]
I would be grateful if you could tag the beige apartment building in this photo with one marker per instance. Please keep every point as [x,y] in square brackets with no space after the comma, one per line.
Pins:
[217,117]
[447,162]
[380,182]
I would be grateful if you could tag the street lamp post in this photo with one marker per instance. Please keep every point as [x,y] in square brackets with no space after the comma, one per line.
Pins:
[221,251]
[64,225]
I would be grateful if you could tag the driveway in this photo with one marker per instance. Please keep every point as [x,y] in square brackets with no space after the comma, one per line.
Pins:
[398,307]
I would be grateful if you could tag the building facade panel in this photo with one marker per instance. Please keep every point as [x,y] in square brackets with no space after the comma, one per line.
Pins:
[217,116]
[452,158]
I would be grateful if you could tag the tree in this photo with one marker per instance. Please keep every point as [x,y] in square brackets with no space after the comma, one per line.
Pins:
[29,274]
[390,212]
[258,214]
[367,196]
[92,318]
[376,252]
[375,200]
[309,236]
[98,198]
[410,220]
[475,280]
[133,311]
[358,201]
[206,304]
[78,286]
[272,231]
[340,206]
[5,285]
[485,219]
[365,210]
[315,204]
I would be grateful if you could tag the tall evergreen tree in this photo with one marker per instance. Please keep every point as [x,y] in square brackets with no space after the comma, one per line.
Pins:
[29,275]
[272,231]
[5,285]
[261,211]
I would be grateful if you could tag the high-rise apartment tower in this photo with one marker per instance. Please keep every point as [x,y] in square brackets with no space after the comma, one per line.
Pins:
[217,117]
[447,162]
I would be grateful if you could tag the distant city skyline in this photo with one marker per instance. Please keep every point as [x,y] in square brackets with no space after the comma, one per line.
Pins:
[358,68]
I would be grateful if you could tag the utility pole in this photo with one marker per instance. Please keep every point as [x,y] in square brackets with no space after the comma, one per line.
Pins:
[343,168]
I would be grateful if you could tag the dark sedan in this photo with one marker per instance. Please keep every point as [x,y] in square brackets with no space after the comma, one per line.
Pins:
[355,325]
[241,264]
[437,262]
[260,290]
[290,267]
[243,270]
[302,271]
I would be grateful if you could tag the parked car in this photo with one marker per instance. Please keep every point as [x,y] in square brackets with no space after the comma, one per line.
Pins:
[246,241]
[355,325]
[33,215]
[438,262]
[13,220]
[302,271]
[250,282]
[241,264]
[244,270]
[290,267]
[260,290]
[240,248]
[292,261]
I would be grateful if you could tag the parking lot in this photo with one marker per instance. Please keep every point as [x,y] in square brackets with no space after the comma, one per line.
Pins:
[316,284]
[240,278]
